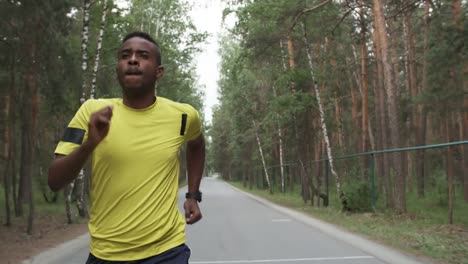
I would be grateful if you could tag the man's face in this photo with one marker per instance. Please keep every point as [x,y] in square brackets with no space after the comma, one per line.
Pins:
[137,69]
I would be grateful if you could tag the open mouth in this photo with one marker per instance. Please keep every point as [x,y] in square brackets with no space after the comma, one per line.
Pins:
[133,73]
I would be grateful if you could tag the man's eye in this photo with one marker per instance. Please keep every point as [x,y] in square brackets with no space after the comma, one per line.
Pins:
[124,55]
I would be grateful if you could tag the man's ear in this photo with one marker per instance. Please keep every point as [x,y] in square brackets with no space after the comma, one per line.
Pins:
[159,72]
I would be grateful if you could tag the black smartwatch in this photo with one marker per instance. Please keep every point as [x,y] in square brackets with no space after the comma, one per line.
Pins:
[194,195]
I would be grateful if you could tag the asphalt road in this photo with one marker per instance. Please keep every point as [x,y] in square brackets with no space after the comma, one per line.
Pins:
[240,228]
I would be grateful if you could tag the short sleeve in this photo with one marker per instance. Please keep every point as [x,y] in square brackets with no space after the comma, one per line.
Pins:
[194,124]
[76,132]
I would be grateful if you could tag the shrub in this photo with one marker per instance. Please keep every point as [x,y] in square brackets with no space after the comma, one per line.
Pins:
[358,195]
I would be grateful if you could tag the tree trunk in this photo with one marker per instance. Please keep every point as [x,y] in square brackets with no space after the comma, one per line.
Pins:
[339,122]
[292,68]
[280,142]
[410,82]
[7,154]
[292,64]
[317,169]
[449,168]
[354,79]
[394,36]
[25,160]
[260,149]
[98,49]
[363,77]
[323,124]
[8,139]
[464,136]
[79,182]
[14,183]
[393,113]
[29,120]
[68,191]
[80,194]
[457,13]
[463,116]
[281,156]
[383,120]
[84,47]
[463,128]
[27,131]
[421,122]
[354,115]
[379,140]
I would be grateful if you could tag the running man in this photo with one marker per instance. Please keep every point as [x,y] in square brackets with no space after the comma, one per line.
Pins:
[134,143]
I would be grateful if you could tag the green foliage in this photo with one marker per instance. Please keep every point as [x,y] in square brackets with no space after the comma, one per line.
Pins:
[179,40]
[42,40]
[447,58]
[257,83]
[439,181]
[358,195]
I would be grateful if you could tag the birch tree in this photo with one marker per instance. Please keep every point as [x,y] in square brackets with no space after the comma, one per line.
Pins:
[99,48]
[260,150]
[79,181]
[322,122]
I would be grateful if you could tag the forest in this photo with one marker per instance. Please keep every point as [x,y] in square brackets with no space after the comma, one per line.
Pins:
[314,93]
[54,56]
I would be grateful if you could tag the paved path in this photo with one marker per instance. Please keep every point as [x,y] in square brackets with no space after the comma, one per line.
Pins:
[240,228]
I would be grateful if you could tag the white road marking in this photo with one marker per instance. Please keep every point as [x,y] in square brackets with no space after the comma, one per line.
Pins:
[281,220]
[278,260]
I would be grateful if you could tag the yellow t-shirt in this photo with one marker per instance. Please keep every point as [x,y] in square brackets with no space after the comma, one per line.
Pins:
[134,212]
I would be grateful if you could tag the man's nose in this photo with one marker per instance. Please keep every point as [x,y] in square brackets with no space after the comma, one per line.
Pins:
[133,60]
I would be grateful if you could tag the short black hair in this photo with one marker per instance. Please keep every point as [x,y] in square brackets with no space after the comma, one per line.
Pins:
[146,36]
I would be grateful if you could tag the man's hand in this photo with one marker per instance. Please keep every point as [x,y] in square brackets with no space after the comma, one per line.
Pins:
[99,124]
[192,211]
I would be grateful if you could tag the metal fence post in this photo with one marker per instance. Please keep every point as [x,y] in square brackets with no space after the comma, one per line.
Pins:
[372,174]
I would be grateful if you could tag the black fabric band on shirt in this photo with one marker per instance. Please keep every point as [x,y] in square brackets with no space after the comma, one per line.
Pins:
[183,124]
[74,135]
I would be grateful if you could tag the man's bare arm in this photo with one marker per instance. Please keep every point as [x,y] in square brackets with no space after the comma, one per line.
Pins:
[195,162]
[195,166]
[64,169]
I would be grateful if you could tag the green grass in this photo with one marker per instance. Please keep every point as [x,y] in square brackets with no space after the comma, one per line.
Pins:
[41,207]
[422,231]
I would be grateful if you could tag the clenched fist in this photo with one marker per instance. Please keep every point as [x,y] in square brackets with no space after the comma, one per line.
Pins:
[98,126]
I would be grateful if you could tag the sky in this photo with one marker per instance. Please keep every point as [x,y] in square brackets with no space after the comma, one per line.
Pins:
[207,16]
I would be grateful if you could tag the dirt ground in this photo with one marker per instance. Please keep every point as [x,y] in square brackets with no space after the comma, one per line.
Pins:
[49,231]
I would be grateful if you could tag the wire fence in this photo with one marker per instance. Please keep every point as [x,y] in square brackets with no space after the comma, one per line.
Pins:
[363,172]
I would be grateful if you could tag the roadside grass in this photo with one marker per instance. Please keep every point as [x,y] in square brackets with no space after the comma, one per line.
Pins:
[41,207]
[423,231]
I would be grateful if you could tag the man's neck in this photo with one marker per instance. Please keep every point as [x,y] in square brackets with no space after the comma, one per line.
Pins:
[139,103]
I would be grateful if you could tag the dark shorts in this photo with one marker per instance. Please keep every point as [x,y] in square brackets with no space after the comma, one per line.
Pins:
[177,255]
